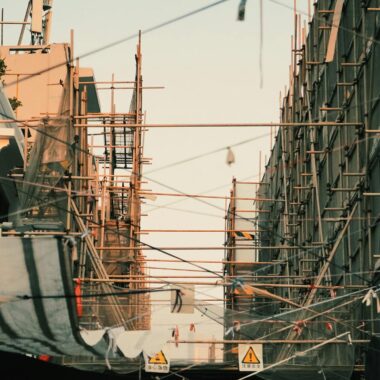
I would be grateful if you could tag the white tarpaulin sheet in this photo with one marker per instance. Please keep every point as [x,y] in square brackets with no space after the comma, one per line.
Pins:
[37,317]
[36,268]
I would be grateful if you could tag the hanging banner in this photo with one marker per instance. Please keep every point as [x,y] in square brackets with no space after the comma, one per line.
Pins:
[158,363]
[250,357]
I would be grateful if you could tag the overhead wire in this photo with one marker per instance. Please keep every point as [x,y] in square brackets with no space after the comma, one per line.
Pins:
[243,218]
[162,251]
[201,193]
[273,1]
[268,230]
[206,154]
[276,364]
[125,39]
[26,297]
[219,2]
[167,281]
[230,350]
[352,31]
[222,186]
[178,191]
[172,21]
[185,261]
[139,241]
[200,200]
[186,211]
[286,360]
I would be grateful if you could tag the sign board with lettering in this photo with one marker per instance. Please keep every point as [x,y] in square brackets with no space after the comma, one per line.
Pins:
[251,357]
[158,363]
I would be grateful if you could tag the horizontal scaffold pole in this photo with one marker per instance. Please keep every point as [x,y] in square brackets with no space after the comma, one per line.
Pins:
[240,247]
[269,341]
[220,283]
[224,125]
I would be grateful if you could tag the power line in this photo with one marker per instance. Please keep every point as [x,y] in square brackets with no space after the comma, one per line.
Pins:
[179,258]
[320,18]
[209,153]
[186,261]
[128,38]
[27,297]
[200,267]
[202,201]
[132,238]
[229,212]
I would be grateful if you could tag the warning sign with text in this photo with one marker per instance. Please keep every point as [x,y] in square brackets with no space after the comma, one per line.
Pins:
[251,357]
[158,363]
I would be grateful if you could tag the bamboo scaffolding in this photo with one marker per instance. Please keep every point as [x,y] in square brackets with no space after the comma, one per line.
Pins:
[97,264]
[296,117]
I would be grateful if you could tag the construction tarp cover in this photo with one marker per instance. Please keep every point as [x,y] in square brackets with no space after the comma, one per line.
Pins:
[37,314]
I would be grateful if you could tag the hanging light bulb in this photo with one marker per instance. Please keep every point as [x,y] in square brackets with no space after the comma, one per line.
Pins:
[230,157]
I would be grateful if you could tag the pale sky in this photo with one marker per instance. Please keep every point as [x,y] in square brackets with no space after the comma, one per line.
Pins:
[209,65]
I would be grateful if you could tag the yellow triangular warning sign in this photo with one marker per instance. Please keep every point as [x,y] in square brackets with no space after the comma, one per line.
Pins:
[250,357]
[158,359]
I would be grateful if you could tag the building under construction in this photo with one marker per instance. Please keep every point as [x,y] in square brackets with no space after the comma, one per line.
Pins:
[301,269]
[313,226]
[70,182]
